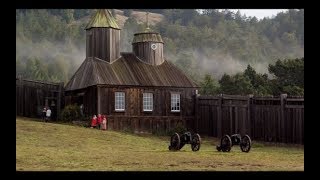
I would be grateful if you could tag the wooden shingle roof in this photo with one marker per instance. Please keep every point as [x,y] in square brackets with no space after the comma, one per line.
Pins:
[127,70]
[103,18]
[147,37]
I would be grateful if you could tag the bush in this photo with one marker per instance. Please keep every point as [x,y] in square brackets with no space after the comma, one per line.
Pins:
[178,129]
[71,113]
[85,118]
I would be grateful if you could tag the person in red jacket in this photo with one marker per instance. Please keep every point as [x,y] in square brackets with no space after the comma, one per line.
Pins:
[94,121]
[99,121]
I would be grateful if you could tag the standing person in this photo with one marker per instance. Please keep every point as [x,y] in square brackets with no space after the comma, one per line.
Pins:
[99,121]
[43,114]
[81,110]
[94,121]
[104,122]
[48,114]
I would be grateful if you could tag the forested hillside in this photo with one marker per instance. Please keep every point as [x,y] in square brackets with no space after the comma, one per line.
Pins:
[51,43]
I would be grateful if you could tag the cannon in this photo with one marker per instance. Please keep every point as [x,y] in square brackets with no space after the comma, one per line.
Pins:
[178,141]
[227,142]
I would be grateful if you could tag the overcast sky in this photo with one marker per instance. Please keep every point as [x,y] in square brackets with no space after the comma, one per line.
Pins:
[260,13]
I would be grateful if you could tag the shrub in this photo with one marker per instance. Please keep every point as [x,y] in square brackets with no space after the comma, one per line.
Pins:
[71,113]
[180,129]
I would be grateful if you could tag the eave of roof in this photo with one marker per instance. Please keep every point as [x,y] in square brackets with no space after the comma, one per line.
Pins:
[147,37]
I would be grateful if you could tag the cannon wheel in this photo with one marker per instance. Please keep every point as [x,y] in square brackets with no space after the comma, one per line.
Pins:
[226,143]
[245,143]
[175,142]
[196,141]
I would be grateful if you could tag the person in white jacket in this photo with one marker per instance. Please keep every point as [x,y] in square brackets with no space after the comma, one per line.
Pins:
[48,114]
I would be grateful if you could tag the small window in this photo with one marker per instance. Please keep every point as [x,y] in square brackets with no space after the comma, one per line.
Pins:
[119,101]
[147,101]
[175,102]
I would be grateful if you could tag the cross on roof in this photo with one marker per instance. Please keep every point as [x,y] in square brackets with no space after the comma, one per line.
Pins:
[147,29]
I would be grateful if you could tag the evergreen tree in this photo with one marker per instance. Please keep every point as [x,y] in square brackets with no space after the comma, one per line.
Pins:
[209,86]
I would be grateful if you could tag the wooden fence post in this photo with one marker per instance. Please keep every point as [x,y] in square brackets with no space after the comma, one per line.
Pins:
[19,109]
[219,122]
[21,96]
[99,103]
[283,128]
[196,112]
[59,100]
[249,124]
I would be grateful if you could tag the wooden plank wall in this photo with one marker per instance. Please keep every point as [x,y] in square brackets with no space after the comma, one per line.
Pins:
[277,119]
[89,99]
[103,43]
[208,112]
[134,104]
[294,118]
[266,119]
[160,118]
[147,124]
[31,95]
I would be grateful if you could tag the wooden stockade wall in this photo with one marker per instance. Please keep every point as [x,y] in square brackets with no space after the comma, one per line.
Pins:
[272,119]
[32,96]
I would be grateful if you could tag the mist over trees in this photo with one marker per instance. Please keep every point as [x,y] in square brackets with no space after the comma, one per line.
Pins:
[210,46]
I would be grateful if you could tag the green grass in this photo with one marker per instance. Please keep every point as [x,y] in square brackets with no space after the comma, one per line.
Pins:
[55,147]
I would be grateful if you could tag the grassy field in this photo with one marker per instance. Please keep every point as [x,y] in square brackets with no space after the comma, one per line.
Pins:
[47,146]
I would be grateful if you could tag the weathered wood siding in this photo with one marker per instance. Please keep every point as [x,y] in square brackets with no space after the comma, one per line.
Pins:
[148,124]
[32,96]
[266,119]
[103,43]
[88,97]
[144,51]
[135,117]
[276,119]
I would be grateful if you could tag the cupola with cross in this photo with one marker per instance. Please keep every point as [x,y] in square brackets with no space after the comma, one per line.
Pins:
[148,46]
